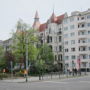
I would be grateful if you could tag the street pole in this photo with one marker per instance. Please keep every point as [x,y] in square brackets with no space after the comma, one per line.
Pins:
[72,68]
[85,68]
[26,59]
[11,68]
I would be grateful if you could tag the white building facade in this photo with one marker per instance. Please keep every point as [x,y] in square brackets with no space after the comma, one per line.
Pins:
[76,35]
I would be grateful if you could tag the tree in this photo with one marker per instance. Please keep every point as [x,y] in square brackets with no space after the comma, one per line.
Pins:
[9,57]
[24,33]
[47,56]
[40,66]
[2,59]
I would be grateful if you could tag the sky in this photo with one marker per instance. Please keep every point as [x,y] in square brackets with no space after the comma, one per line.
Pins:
[13,10]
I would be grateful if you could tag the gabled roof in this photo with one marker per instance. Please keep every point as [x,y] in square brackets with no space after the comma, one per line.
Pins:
[42,27]
[60,18]
[53,19]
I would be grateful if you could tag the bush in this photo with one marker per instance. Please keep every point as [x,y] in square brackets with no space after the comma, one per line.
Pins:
[3,75]
[19,74]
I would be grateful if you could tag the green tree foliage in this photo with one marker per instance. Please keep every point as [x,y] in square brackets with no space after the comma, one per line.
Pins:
[24,33]
[46,56]
[2,59]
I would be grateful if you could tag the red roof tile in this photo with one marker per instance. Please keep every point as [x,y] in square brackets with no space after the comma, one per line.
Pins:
[42,27]
[60,18]
[53,19]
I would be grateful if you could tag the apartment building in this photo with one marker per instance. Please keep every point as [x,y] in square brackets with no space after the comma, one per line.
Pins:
[50,32]
[76,35]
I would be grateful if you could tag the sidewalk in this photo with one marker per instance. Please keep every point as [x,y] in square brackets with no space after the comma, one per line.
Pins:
[22,79]
[45,78]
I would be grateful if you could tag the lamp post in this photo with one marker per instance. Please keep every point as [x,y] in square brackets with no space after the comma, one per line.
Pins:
[11,63]
[73,64]
[85,68]
[79,64]
[26,58]
[66,70]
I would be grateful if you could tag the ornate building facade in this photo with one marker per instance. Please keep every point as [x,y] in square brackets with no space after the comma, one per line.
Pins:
[50,32]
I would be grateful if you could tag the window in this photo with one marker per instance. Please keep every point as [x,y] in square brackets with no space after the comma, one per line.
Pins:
[55,39]
[89,48]
[65,21]
[65,35]
[71,19]
[49,39]
[59,57]
[82,18]
[60,48]
[66,57]
[55,48]
[66,50]
[89,56]
[59,38]
[89,40]
[88,17]
[78,18]
[72,27]
[72,41]
[59,31]
[88,24]
[82,41]
[82,33]
[84,56]
[72,34]
[66,42]
[83,25]
[65,28]
[55,57]
[88,32]
[49,30]
[73,57]
[73,49]
[82,48]
[78,26]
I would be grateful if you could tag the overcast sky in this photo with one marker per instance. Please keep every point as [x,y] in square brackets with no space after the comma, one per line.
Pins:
[12,10]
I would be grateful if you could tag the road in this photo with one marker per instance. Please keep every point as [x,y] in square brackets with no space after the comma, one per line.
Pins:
[82,83]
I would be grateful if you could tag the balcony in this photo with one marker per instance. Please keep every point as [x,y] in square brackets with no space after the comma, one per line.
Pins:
[59,33]
[81,26]
[81,21]
[83,52]
[82,36]
[82,44]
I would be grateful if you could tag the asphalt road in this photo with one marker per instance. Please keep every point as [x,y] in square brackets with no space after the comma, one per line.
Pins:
[66,84]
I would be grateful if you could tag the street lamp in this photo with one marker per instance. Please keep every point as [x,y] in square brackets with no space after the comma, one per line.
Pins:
[66,70]
[73,64]
[85,68]
[11,63]
[26,58]
[79,64]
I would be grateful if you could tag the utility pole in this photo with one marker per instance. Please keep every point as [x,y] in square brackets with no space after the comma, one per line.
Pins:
[85,68]
[11,63]
[73,67]
[26,58]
